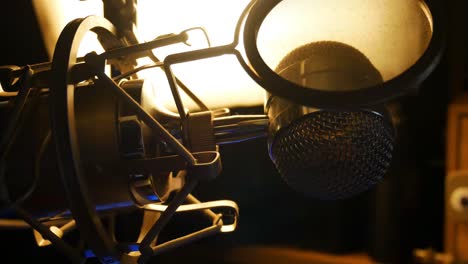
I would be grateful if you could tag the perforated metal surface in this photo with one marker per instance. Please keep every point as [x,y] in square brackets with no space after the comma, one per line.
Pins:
[333,155]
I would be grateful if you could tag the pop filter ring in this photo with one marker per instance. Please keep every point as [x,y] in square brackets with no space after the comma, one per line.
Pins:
[398,86]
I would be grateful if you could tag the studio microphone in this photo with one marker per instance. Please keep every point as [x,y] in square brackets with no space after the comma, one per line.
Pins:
[329,154]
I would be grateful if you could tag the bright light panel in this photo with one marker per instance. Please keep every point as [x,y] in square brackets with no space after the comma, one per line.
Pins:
[220,81]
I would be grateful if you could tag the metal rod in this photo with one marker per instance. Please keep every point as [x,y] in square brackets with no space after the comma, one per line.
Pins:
[242,126]
[239,128]
[45,232]
[220,140]
[180,197]
[215,229]
[192,199]
[118,52]
[235,119]
[198,101]
[43,66]
[13,224]
[235,130]
[68,226]
[143,47]
[189,93]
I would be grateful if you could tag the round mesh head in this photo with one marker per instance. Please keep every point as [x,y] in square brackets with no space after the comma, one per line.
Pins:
[333,155]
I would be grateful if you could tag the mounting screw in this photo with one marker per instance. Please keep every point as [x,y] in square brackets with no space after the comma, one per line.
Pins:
[459,200]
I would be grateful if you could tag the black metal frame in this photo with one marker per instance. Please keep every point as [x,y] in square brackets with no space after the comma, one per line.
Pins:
[66,72]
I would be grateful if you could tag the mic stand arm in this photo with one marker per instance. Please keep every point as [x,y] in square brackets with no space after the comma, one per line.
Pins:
[239,128]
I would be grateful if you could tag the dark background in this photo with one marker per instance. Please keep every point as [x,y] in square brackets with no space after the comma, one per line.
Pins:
[402,213]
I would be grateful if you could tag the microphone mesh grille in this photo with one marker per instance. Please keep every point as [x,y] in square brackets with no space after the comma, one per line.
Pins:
[333,155]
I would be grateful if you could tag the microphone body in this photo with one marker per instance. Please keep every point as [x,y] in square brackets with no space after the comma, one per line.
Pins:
[329,153]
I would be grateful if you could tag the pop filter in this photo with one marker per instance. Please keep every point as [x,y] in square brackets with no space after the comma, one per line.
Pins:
[403,39]
[329,68]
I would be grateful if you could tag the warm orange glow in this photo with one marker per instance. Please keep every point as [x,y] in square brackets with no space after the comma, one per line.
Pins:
[392,34]
[53,16]
[220,81]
